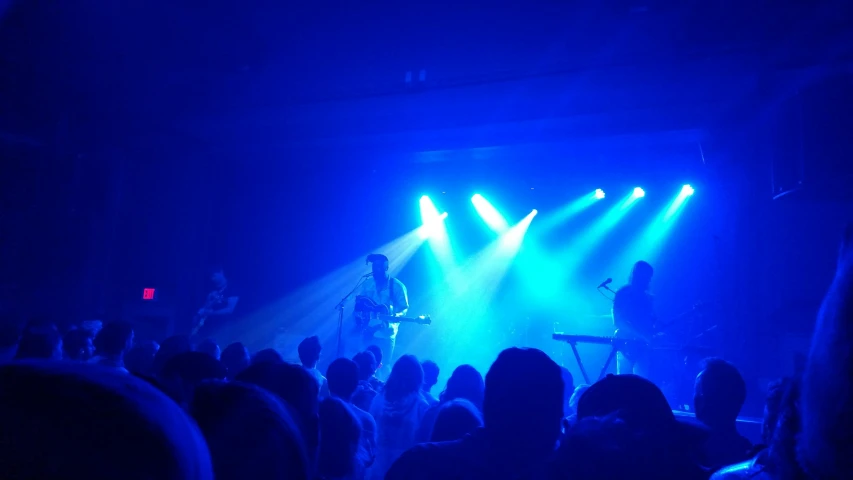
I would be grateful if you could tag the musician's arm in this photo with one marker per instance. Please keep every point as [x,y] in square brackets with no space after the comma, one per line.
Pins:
[402,299]
[228,309]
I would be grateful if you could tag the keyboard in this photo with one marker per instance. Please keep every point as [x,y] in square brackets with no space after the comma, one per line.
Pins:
[562,337]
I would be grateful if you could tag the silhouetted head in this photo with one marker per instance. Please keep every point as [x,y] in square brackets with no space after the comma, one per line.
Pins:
[170,347]
[465,382]
[576,397]
[377,354]
[309,351]
[114,339]
[69,420]
[140,359]
[523,404]
[210,347]
[40,342]
[297,388]
[431,372]
[250,432]
[185,371]
[568,389]
[342,378]
[455,419]
[406,378]
[772,406]
[340,433]
[366,365]
[719,393]
[77,345]
[267,355]
[235,358]
[641,275]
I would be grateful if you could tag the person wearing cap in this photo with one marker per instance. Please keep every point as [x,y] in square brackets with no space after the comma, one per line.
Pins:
[390,292]
[522,416]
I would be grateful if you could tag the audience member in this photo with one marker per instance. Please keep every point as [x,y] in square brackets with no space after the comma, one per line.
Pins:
[455,419]
[235,358]
[77,345]
[668,445]
[466,383]
[309,354]
[521,415]
[111,344]
[827,398]
[342,378]
[170,347]
[267,355]
[250,433]
[398,410]
[299,391]
[184,372]
[340,435]
[64,420]
[40,342]
[718,396]
[776,392]
[140,359]
[779,460]
[568,391]
[210,347]
[431,372]
[576,397]
[375,382]
[365,393]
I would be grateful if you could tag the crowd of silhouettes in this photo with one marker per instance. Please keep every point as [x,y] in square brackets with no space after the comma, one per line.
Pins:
[96,403]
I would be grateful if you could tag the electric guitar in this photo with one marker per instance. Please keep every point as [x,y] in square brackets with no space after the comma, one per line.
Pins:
[371,317]
[635,340]
[213,298]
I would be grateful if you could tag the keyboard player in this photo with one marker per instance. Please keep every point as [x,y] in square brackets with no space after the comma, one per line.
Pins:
[634,319]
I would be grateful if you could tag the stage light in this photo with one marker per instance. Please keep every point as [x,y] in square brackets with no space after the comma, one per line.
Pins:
[639,192]
[599,193]
[534,212]
[490,214]
[687,190]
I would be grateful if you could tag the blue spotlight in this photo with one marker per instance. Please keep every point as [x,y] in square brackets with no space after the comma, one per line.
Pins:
[534,212]
[639,192]
[599,193]
[687,190]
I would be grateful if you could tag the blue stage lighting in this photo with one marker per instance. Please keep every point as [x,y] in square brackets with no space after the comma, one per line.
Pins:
[599,193]
[687,190]
[639,192]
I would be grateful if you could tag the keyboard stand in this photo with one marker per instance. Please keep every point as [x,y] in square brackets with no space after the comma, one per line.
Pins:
[580,363]
[613,350]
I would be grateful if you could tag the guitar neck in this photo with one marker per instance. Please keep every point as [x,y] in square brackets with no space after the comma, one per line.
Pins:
[392,319]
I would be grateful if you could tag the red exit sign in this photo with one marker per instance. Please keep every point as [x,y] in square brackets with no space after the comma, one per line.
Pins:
[148,293]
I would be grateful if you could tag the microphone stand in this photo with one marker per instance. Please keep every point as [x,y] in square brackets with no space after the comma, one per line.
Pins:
[340,308]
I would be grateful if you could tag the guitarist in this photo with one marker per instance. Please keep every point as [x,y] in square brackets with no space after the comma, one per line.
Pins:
[634,319]
[392,298]
[220,303]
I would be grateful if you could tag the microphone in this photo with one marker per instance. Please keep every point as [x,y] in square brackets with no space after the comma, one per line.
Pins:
[367,275]
[605,283]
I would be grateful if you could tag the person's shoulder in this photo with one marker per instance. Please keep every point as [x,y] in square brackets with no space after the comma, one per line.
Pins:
[399,282]
[426,460]
[363,416]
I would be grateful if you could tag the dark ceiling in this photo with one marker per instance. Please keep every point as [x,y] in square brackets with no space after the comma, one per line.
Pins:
[244,77]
